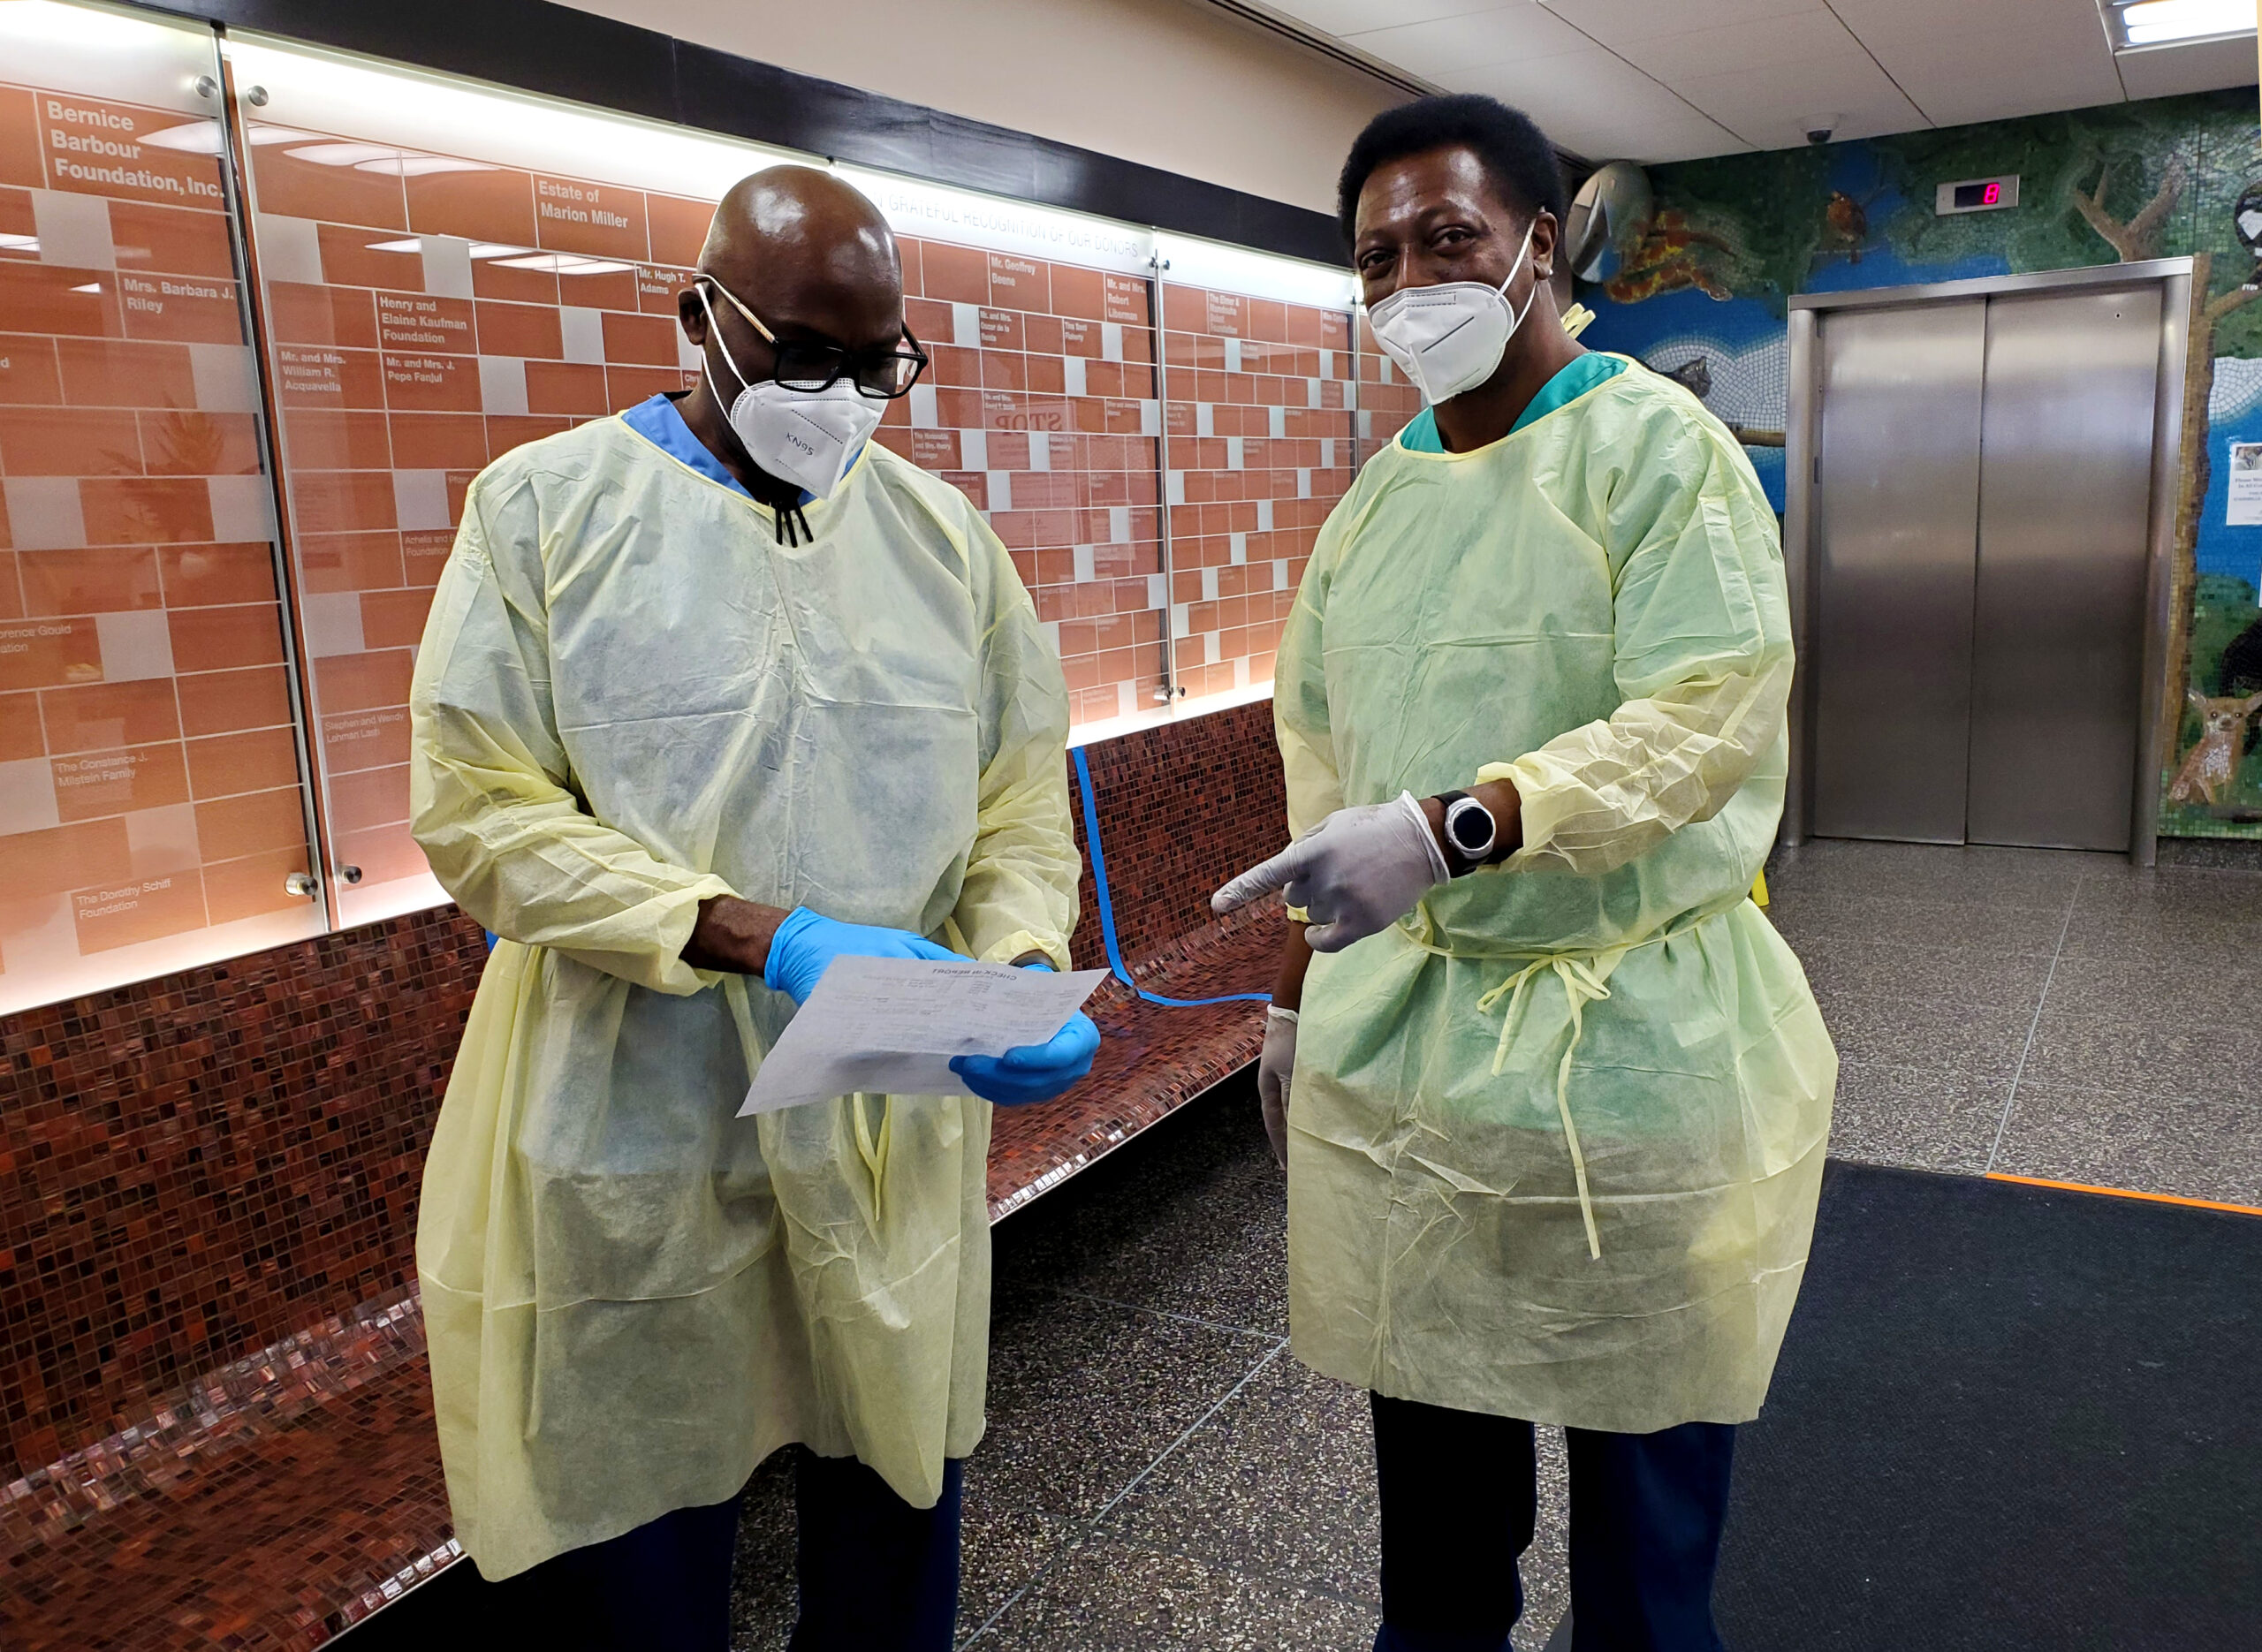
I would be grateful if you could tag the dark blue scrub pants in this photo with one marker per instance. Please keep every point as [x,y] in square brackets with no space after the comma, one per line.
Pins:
[1458,1490]
[876,1575]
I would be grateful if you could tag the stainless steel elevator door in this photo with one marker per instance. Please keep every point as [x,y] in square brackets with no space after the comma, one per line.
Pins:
[2065,486]
[1896,518]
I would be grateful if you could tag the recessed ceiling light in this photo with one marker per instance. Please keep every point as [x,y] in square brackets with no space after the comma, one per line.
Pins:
[2164,22]
[414,244]
[92,286]
[18,243]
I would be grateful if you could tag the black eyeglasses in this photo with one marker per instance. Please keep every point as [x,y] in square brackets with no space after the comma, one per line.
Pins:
[882,374]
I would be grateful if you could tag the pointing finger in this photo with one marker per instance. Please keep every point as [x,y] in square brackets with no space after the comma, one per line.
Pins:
[1261,879]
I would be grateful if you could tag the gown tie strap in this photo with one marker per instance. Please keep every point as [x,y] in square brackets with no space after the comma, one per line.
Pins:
[1585,980]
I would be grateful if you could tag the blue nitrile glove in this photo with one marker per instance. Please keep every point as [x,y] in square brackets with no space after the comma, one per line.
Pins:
[1033,1072]
[805,943]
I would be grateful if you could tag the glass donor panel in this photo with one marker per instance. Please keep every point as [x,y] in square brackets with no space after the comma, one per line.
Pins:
[1261,387]
[152,807]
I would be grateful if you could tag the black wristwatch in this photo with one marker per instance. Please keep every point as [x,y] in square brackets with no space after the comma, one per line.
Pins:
[1470,833]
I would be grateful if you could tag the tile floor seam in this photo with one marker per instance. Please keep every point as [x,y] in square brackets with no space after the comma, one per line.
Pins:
[1078,1539]
[2041,998]
[1164,1313]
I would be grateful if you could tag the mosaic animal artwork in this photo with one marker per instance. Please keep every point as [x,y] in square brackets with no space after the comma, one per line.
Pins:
[1673,254]
[2214,759]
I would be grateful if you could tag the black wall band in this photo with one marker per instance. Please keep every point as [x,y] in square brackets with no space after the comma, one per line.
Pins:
[536,46]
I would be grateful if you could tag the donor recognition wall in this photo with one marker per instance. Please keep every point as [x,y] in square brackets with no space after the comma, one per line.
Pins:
[261,324]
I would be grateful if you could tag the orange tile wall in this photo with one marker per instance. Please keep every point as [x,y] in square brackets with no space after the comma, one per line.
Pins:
[149,784]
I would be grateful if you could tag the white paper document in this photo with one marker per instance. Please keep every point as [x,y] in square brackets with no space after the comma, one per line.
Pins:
[893,1024]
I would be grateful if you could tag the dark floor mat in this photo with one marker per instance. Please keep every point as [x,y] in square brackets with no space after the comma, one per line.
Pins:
[2006,1418]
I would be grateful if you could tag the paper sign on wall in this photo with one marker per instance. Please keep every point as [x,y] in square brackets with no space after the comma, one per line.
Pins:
[2245,509]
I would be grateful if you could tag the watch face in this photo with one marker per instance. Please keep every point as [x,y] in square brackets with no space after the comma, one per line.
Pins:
[1471,828]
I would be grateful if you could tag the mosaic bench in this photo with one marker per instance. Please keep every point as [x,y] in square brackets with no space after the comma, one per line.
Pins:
[191,1164]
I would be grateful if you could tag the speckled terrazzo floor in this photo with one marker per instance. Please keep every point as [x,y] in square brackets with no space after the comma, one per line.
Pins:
[1161,1473]
[2033,1012]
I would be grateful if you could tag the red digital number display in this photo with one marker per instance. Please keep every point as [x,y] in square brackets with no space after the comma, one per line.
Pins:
[1991,196]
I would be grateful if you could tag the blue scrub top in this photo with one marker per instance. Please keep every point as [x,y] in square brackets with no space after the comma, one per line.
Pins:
[1574,380]
[658,422]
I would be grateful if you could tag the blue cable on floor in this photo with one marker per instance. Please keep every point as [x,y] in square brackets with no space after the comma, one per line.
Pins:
[1107,907]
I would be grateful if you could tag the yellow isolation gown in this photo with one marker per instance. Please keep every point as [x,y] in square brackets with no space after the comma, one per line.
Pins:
[1555,1139]
[632,696]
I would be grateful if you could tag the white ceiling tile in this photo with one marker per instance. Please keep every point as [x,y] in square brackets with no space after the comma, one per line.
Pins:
[1618,22]
[1347,17]
[1877,22]
[1575,85]
[1522,30]
[1952,94]
[2202,66]
[1820,86]
[1673,140]
[1780,41]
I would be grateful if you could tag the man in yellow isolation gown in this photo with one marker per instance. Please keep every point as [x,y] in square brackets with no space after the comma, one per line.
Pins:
[714,692]
[1553,1095]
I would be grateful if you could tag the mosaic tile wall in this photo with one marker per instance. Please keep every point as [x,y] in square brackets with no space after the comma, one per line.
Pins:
[1182,808]
[195,1167]
[1260,451]
[149,780]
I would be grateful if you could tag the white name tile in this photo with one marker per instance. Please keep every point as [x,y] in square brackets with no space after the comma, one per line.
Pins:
[973,448]
[1280,582]
[502,384]
[1001,489]
[1327,452]
[1277,422]
[1151,418]
[1040,451]
[1176,490]
[73,230]
[1087,563]
[922,407]
[1264,516]
[1110,341]
[43,513]
[1208,585]
[1389,373]
[447,266]
[1181,620]
[136,644]
[1235,454]
[333,623]
[1205,419]
[1241,670]
[1233,355]
[1327,364]
[162,839]
[1118,524]
[243,508]
[1157,591]
[289,249]
[966,325]
[582,333]
[225,378]
[27,796]
[1075,366]
[1303,484]
[1213,648]
[1366,425]
[1126,699]
[687,356]
[420,498]
[1240,551]
[1051,628]
[1311,392]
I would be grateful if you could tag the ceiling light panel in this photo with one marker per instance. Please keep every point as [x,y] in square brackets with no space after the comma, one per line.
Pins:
[2165,22]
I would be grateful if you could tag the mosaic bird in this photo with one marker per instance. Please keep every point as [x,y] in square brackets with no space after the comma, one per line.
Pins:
[1845,221]
[1694,375]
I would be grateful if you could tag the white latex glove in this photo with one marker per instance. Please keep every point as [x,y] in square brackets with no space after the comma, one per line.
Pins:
[1354,873]
[1274,1068]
